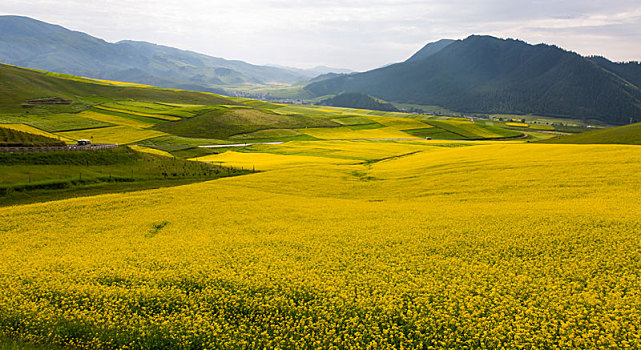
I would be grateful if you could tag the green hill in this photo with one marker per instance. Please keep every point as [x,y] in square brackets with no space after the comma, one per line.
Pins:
[177,122]
[489,75]
[15,138]
[18,85]
[40,176]
[627,135]
[360,101]
[222,124]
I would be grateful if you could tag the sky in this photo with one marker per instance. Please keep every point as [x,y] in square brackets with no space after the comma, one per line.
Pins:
[354,34]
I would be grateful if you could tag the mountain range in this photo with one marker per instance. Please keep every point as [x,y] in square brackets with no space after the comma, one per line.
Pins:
[483,74]
[479,74]
[34,44]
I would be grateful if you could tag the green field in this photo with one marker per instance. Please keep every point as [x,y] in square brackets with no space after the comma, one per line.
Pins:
[223,124]
[627,134]
[40,176]
[16,138]
[179,121]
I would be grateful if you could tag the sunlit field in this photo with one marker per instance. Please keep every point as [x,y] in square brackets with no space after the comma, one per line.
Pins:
[347,244]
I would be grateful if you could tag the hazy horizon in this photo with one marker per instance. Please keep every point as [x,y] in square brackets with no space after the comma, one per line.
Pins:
[357,35]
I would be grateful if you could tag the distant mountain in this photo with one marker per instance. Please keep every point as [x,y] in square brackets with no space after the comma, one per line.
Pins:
[326,76]
[430,49]
[314,72]
[361,101]
[489,75]
[30,43]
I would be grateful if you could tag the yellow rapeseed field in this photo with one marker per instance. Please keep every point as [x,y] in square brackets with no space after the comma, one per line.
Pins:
[114,119]
[267,161]
[521,125]
[345,133]
[488,245]
[121,134]
[151,151]
[32,130]
[400,123]
[150,115]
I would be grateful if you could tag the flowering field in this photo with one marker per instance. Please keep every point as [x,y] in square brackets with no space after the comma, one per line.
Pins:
[423,245]
[31,130]
[121,134]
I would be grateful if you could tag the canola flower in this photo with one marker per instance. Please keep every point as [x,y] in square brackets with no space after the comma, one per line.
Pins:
[31,130]
[121,134]
[488,246]
[346,133]
[129,111]
[116,120]
[521,125]
[151,151]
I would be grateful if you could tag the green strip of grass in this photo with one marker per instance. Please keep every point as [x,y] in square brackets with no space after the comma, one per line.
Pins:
[43,176]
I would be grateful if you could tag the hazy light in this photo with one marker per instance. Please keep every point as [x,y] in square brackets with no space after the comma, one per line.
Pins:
[352,34]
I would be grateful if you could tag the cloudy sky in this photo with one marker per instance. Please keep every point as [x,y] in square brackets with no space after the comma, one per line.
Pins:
[356,34]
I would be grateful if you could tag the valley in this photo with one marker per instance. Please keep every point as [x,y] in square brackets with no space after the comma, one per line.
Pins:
[444,202]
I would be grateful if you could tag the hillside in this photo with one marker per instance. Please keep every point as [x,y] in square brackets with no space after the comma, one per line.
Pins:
[17,138]
[178,123]
[41,176]
[223,124]
[630,71]
[30,43]
[361,101]
[17,85]
[624,135]
[490,75]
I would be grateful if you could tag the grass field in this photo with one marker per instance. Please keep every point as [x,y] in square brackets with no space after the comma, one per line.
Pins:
[121,134]
[485,246]
[116,120]
[226,123]
[470,130]
[54,122]
[346,133]
[33,131]
[130,113]
[133,112]
[42,176]
[14,137]
[627,134]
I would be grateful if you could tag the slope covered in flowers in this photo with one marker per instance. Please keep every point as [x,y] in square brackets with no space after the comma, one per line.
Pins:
[483,246]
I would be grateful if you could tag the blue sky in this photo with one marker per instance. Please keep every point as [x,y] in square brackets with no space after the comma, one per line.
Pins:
[354,34]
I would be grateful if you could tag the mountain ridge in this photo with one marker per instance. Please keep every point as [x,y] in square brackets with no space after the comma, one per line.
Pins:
[430,49]
[483,74]
[31,43]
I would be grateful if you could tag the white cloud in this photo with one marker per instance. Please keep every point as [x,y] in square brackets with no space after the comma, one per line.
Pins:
[356,33]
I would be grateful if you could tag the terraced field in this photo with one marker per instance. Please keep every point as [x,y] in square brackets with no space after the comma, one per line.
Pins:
[137,114]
